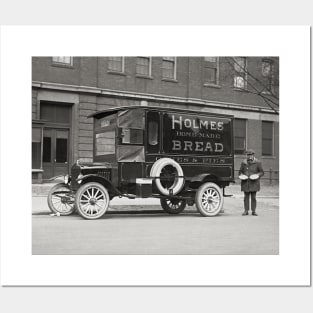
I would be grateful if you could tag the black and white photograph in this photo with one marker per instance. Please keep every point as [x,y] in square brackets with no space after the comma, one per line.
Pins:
[160,155]
[152,156]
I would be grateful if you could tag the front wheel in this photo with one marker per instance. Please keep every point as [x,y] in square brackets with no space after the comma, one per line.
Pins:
[61,199]
[209,199]
[173,206]
[92,201]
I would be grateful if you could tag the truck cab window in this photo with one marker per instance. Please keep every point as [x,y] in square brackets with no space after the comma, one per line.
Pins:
[131,136]
[153,130]
[104,137]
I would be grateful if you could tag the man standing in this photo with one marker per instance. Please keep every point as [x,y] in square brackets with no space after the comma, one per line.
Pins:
[250,172]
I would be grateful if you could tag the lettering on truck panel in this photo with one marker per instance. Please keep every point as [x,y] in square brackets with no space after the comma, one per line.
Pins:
[199,135]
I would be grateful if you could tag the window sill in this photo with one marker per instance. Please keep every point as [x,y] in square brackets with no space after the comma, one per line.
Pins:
[170,80]
[69,66]
[143,76]
[117,73]
[212,85]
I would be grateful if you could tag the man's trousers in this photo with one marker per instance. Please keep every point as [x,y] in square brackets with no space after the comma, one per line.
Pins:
[253,201]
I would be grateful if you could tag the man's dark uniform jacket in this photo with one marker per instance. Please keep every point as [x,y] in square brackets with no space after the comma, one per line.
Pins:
[248,168]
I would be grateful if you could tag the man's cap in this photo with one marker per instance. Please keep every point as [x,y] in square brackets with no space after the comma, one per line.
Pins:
[249,151]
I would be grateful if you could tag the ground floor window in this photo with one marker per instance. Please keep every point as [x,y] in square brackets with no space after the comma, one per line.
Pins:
[267,138]
[36,147]
[240,135]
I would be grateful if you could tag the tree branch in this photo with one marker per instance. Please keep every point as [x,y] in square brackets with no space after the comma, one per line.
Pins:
[257,91]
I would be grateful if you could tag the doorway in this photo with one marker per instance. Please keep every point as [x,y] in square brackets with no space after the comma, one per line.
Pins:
[55,157]
[56,138]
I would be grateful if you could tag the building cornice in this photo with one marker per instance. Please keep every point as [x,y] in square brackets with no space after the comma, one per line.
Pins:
[149,97]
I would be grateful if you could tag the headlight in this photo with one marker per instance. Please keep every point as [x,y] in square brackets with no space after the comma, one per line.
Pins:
[79,178]
[66,179]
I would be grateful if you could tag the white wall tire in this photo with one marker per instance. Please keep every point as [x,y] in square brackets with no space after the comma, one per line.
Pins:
[178,183]
[209,199]
[92,201]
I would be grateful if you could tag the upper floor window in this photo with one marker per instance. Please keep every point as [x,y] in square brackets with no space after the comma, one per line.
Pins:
[143,66]
[116,64]
[169,67]
[240,135]
[211,70]
[267,138]
[268,75]
[241,74]
[63,60]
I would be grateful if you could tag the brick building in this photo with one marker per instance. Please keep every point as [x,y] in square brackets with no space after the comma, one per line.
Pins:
[65,90]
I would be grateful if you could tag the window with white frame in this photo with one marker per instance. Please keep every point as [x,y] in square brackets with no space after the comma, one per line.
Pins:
[268,75]
[63,60]
[116,64]
[143,66]
[241,74]
[240,135]
[267,138]
[211,70]
[169,67]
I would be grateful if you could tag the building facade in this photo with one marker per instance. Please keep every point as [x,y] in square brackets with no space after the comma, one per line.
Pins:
[66,90]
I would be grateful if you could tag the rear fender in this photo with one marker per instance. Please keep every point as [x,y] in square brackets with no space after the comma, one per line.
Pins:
[198,180]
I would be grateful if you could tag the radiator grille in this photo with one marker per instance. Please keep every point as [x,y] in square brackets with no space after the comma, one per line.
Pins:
[105,173]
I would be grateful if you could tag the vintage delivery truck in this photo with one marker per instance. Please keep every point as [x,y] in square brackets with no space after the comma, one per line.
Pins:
[182,157]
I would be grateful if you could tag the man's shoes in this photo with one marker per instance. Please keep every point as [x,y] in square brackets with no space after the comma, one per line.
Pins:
[245,213]
[253,213]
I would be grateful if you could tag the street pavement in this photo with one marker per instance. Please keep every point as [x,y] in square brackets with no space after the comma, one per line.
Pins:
[140,226]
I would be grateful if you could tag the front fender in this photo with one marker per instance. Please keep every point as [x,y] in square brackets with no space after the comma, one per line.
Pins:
[60,178]
[98,179]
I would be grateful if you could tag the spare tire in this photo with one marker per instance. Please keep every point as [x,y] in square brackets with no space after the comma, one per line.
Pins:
[179,181]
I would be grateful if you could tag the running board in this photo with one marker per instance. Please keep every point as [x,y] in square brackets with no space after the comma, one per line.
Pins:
[129,196]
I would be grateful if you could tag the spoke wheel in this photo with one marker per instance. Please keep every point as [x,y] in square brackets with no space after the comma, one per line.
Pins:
[209,199]
[173,206]
[92,201]
[61,199]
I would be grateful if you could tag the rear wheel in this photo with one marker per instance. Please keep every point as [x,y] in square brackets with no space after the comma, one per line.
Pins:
[61,199]
[173,206]
[92,201]
[209,199]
